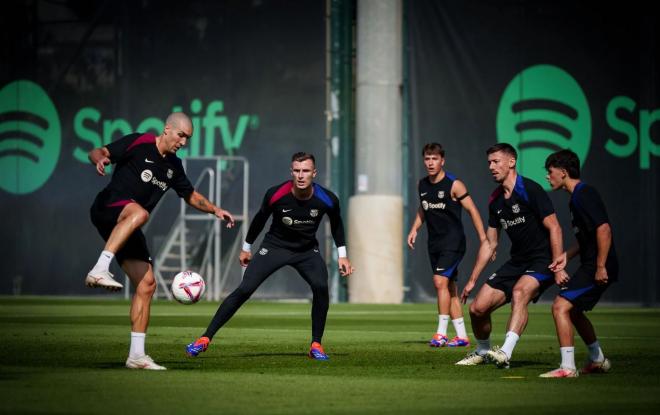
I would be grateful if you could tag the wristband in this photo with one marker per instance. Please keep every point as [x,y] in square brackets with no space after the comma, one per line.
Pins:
[341,252]
[247,247]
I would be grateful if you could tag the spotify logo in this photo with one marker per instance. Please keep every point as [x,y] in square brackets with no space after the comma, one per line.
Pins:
[146,175]
[30,137]
[542,110]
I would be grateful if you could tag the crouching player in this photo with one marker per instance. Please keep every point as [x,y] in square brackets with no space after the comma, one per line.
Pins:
[598,266]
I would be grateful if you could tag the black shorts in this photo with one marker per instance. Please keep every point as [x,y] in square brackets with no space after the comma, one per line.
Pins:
[105,220]
[508,275]
[582,291]
[445,263]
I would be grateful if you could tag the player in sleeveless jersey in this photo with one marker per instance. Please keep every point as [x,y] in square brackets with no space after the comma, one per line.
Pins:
[442,198]
[520,207]
[297,207]
[598,266]
[146,166]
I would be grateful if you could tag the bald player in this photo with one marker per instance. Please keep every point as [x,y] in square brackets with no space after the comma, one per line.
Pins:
[146,166]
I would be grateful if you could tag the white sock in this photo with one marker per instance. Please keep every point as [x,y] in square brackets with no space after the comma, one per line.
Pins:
[483,346]
[443,322]
[103,264]
[137,345]
[595,352]
[510,341]
[567,357]
[459,326]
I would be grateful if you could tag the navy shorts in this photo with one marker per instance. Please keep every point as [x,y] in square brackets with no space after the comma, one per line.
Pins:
[445,263]
[105,220]
[505,278]
[582,291]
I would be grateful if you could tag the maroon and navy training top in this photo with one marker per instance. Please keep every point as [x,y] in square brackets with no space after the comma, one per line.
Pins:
[142,174]
[296,221]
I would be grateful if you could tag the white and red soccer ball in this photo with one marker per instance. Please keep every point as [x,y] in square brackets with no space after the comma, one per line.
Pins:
[188,287]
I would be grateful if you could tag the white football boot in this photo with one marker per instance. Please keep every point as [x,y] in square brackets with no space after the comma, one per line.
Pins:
[497,356]
[472,359]
[102,279]
[596,367]
[143,362]
[560,373]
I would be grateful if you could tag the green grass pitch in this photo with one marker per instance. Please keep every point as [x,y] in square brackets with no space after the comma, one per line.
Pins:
[67,356]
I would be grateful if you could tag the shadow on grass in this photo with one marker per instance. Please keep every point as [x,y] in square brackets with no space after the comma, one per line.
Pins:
[294,354]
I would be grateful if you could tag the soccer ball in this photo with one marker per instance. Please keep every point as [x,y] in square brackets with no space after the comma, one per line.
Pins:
[188,287]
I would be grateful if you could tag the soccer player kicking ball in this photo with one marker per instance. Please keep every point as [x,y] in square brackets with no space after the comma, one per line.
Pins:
[521,207]
[297,207]
[146,167]
[442,199]
[598,268]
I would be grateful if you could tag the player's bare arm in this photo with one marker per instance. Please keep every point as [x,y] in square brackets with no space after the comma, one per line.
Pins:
[485,254]
[556,246]
[604,242]
[99,157]
[412,235]
[201,203]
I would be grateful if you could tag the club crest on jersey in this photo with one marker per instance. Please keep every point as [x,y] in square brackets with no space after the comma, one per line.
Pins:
[515,208]
[170,173]
[287,221]
[441,194]
[314,213]
[504,224]
[263,251]
[146,175]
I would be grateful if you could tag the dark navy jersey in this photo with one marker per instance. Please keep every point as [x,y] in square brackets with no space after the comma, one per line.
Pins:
[588,213]
[142,174]
[521,216]
[442,215]
[296,221]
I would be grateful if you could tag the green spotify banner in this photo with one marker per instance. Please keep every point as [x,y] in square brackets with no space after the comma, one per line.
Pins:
[78,75]
[543,76]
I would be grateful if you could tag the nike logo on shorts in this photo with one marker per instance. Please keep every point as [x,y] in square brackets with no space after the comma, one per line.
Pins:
[286,210]
[423,194]
[147,160]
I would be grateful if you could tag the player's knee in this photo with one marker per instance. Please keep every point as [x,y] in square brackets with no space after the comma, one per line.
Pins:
[476,311]
[441,283]
[140,217]
[520,296]
[560,307]
[147,287]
